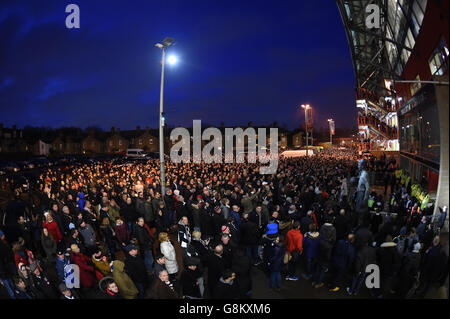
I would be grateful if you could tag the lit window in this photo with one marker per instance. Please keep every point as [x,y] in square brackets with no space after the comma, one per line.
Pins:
[151,141]
[439,59]
[120,142]
[140,142]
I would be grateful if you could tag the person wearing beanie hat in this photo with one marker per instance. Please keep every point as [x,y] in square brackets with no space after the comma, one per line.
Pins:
[225,229]
[43,288]
[130,247]
[136,269]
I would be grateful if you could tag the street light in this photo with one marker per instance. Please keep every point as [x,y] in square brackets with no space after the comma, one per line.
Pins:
[306,106]
[331,122]
[172,59]
[163,46]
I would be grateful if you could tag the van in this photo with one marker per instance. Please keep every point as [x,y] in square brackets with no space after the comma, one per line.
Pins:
[135,153]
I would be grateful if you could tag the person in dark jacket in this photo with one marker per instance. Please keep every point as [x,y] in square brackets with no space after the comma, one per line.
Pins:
[165,288]
[363,236]
[241,266]
[366,255]
[215,268]
[249,238]
[146,241]
[201,246]
[276,264]
[343,258]
[108,237]
[67,293]
[225,287]
[305,221]
[228,249]
[435,267]
[184,234]
[111,291]
[43,287]
[130,214]
[135,268]
[342,224]
[61,262]
[323,259]
[409,272]
[162,222]
[189,281]
[310,250]
[21,290]
[389,261]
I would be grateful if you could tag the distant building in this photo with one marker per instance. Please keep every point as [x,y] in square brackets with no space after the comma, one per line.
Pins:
[41,148]
[94,143]
[116,143]
[10,140]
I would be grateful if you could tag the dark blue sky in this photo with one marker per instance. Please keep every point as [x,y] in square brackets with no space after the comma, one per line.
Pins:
[240,61]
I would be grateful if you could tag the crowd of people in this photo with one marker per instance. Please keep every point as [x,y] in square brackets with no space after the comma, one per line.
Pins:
[213,225]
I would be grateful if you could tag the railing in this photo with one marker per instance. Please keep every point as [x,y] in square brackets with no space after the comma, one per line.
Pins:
[377,125]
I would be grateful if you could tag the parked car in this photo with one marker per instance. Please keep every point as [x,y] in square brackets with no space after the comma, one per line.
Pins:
[24,165]
[12,167]
[135,153]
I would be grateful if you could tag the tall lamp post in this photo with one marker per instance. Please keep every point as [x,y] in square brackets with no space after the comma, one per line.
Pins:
[163,46]
[331,122]
[306,106]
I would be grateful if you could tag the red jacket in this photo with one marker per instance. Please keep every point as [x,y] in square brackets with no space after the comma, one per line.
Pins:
[20,260]
[294,240]
[53,229]
[87,274]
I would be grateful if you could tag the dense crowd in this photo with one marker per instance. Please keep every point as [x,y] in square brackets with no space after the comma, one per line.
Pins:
[214,223]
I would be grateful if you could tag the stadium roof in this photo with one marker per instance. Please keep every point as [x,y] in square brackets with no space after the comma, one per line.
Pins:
[381,53]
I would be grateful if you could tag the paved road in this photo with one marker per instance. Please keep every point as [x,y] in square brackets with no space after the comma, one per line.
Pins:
[302,289]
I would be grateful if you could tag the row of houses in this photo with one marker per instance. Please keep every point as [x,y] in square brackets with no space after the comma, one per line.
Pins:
[14,140]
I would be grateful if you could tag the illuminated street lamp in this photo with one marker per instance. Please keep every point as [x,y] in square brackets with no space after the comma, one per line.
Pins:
[172,60]
[306,106]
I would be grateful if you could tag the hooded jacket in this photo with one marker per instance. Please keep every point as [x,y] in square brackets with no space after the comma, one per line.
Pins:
[126,286]
[294,241]
[81,201]
[311,244]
